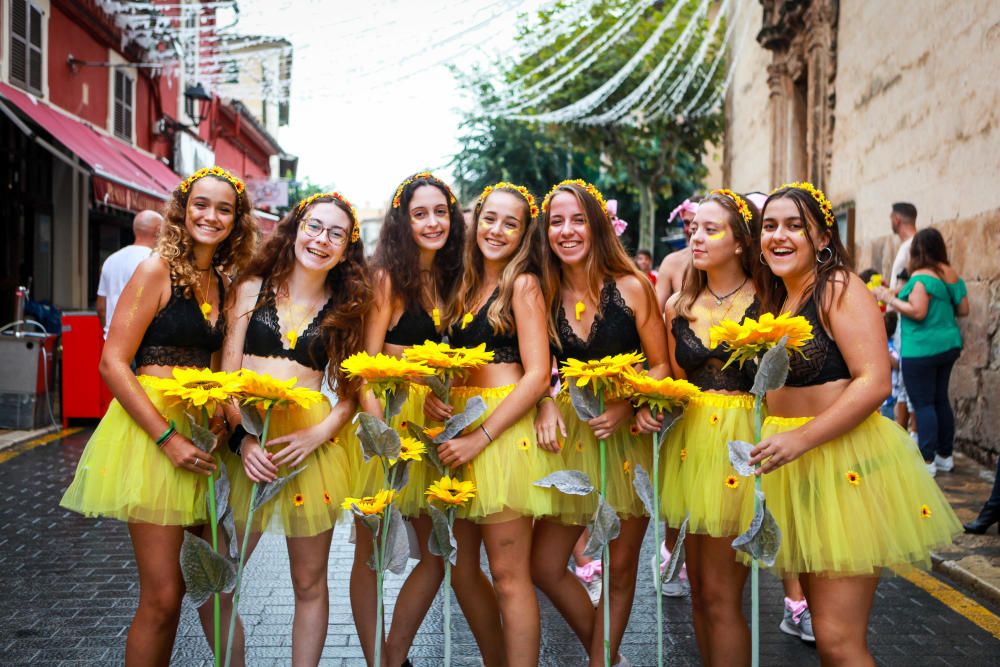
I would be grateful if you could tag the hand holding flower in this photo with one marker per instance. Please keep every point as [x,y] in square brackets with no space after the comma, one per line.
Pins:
[615,414]
[436,410]
[257,462]
[777,450]
[646,422]
[184,454]
[300,444]
[459,451]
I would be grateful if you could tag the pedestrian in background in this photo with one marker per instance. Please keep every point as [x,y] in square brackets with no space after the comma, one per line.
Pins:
[119,267]
[670,276]
[644,262]
[930,303]
[903,219]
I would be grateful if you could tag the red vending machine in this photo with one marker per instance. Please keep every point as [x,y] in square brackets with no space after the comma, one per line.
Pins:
[84,394]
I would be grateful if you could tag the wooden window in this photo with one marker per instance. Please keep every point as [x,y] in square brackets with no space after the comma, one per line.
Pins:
[123,105]
[26,46]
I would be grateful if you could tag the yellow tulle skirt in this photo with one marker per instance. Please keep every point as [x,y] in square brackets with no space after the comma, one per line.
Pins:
[505,470]
[696,474]
[861,502]
[123,475]
[310,503]
[581,451]
[370,478]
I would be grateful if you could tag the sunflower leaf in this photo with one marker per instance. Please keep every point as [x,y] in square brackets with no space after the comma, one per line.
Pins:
[252,422]
[739,456]
[202,437]
[395,399]
[673,569]
[431,447]
[585,401]
[205,571]
[670,420]
[397,545]
[269,490]
[442,541]
[388,444]
[571,482]
[229,525]
[441,388]
[604,528]
[474,409]
[369,431]
[399,475]
[221,492]
[644,489]
[773,369]
[763,538]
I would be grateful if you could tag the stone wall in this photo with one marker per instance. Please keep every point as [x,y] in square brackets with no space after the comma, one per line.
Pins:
[917,118]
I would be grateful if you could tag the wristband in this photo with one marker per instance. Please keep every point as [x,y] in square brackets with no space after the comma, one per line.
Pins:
[488,436]
[171,429]
[542,400]
[236,438]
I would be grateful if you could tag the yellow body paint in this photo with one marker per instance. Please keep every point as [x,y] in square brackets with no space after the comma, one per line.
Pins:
[718,236]
[578,311]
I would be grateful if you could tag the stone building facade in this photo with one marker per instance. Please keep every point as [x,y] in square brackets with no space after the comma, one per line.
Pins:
[877,102]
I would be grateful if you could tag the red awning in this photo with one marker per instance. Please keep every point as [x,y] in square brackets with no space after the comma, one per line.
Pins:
[123,175]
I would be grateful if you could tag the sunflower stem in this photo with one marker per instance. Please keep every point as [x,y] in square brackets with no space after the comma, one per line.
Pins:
[755,566]
[378,544]
[447,598]
[243,547]
[214,529]
[606,549]
[656,541]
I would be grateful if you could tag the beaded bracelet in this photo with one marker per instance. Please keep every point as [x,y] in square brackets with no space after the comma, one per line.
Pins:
[162,440]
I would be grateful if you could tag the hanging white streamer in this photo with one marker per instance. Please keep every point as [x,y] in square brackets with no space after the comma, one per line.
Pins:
[720,56]
[712,105]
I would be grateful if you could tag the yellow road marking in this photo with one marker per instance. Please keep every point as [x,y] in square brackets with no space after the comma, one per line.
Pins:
[955,601]
[17,450]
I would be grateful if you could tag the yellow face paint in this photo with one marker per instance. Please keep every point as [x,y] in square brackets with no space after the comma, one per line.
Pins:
[483,224]
[510,232]
[802,233]
[718,236]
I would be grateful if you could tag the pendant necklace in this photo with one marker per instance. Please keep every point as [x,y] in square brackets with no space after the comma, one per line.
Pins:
[205,307]
[293,334]
[720,299]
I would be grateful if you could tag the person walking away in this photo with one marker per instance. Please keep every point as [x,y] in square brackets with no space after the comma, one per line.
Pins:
[119,267]
[903,219]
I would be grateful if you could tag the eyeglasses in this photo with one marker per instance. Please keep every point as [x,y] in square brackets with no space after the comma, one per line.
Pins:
[313,228]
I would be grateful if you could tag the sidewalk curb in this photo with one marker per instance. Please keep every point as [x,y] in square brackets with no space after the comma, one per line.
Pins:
[27,436]
[958,574]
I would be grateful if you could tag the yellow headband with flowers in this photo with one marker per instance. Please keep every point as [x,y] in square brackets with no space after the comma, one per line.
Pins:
[397,198]
[741,206]
[224,174]
[589,187]
[510,187]
[355,229]
[824,204]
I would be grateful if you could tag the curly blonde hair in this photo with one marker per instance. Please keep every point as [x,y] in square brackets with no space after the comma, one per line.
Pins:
[177,247]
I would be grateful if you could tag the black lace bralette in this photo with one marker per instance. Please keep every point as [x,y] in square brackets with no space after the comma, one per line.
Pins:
[264,337]
[612,332]
[703,365]
[413,328]
[820,360]
[179,335]
[479,330]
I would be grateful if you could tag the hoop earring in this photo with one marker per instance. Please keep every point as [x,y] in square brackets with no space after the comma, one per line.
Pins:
[762,258]
[828,258]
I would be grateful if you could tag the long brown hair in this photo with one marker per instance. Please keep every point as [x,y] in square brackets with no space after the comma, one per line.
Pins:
[349,283]
[771,289]
[398,257]
[607,256]
[928,251]
[501,314]
[744,232]
[177,247]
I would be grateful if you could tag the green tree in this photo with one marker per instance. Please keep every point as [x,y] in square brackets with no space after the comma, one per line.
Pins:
[299,190]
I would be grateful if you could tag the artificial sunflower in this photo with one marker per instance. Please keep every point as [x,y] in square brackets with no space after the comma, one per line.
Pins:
[603,374]
[524,444]
[451,491]
[266,391]
[369,505]
[410,449]
[446,360]
[326,497]
[627,467]
[199,387]
[684,455]
[713,420]
[383,372]
[661,395]
[754,337]
[853,478]
[298,500]
[732,481]
[433,432]
[925,511]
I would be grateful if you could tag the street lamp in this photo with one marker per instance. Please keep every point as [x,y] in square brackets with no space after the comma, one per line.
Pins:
[193,95]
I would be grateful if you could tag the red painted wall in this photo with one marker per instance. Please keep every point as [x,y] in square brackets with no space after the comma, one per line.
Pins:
[66,86]
[230,156]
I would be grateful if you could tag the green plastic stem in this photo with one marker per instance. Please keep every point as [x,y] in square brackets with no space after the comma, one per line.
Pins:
[755,566]
[214,528]
[656,542]
[606,549]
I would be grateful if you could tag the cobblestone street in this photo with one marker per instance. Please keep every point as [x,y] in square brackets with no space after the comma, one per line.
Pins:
[68,589]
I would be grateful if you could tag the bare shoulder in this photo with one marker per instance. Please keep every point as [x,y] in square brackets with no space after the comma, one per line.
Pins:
[670,309]
[249,288]
[527,285]
[153,267]
[676,260]
[631,288]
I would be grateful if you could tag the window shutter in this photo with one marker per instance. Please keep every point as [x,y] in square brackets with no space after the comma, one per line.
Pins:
[35,49]
[19,41]
[123,106]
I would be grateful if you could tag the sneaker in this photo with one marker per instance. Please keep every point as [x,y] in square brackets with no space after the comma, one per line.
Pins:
[932,468]
[622,661]
[676,589]
[802,628]
[590,576]
[944,463]
[593,590]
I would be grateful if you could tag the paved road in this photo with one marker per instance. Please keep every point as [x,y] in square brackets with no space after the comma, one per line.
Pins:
[68,590]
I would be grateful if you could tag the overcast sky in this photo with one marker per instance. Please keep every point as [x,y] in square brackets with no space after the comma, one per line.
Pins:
[372,98]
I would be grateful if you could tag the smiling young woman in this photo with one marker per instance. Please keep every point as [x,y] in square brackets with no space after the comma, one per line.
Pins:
[140,465]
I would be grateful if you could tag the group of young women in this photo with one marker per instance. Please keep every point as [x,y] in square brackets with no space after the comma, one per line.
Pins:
[533,283]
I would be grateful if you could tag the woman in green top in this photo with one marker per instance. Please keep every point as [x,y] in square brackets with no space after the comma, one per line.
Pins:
[931,342]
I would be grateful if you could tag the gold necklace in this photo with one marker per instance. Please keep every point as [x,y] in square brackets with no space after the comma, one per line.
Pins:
[205,307]
[292,335]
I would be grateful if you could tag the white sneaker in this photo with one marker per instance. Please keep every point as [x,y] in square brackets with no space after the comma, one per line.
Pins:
[622,661]
[944,463]
[932,468]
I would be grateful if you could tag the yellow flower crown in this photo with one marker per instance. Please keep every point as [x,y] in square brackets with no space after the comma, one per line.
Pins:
[589,187]
[741,205]
[186,184]
[422,174]
[510,187]
[817,194]
[355,230]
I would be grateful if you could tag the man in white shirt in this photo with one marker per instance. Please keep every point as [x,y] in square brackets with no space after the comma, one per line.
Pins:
[904,225]
[119,267]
